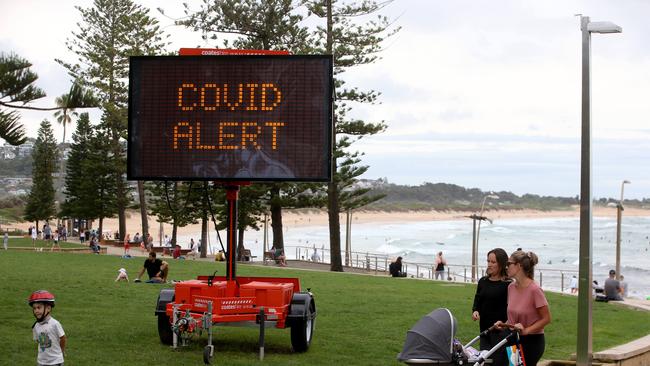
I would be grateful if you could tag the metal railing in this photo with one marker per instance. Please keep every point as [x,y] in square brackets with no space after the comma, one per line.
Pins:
[547,278]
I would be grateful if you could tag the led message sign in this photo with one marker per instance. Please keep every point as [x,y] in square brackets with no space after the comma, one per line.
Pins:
[244,118]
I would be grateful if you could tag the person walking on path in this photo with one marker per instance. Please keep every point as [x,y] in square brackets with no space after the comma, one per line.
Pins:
[127,245]
[440,266]
[574,284]
[34,236]
[5,240]
[491,303]
[528,311]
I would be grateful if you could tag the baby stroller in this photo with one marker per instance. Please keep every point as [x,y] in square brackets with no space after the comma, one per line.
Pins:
[432,341]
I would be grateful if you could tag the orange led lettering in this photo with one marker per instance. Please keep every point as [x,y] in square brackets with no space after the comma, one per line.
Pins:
[274,133]
[251,89]
[223,136]
[217,97]
[180,97]
[187,135]
[240,97]
[277,100]
[248,136]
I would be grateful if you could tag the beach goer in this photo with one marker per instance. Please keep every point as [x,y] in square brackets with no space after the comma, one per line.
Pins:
[613,288]
[127,245]
[55,240]
[94,244]
[574,284]
[122,275]
[623,284]
[491,303]
[47,233]
[528,311]
[278,255]
[156,269]
[440,266]
[194,249]
[315,257]
[168,245]
[34,236]
[149,242]
[5,240]
[176,254]
[46,331]
[395,268]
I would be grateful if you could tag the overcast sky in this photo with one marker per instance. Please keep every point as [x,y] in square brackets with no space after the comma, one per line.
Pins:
[482,94]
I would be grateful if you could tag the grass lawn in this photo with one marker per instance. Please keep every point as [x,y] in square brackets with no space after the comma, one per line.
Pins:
[362,320]
[27,243]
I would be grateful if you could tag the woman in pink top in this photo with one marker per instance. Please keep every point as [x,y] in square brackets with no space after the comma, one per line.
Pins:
[528,311]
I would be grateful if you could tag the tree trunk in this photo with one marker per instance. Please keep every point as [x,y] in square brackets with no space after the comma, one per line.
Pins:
[143,207]
[240,245]
[174,232]
[335,228]
[100,234]
[276,218]
[204,234]
[332,188]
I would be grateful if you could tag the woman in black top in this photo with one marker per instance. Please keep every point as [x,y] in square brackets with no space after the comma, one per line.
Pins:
[491,303]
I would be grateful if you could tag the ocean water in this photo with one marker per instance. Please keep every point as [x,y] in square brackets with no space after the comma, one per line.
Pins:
[554,240]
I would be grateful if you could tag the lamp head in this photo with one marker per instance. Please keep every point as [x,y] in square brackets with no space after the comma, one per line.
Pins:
[603,27]
[626,182]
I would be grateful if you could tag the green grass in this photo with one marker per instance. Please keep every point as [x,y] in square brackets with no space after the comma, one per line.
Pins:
[362,320]
[27,243]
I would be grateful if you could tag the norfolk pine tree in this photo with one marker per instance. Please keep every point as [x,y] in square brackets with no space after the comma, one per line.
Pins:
[266,25]
[76,188]
[351,44]
[40,201]
[110,32]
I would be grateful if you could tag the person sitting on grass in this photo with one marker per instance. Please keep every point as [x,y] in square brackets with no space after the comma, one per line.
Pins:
[156,269]
[176,254]
[395,268]
[613,288]
[94,245]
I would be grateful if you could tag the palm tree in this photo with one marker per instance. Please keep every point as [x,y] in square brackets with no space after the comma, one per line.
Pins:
[64,115]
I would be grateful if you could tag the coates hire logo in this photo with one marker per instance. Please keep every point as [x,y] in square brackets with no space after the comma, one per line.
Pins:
[236,304]
[201,303]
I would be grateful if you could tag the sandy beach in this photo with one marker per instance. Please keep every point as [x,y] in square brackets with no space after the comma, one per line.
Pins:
[312,217]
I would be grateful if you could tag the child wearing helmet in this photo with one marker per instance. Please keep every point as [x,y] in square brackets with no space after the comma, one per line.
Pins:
[47,331]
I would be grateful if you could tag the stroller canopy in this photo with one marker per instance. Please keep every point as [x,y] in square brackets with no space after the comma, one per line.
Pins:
[432,338]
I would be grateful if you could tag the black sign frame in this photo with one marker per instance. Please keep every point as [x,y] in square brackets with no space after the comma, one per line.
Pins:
[141,159]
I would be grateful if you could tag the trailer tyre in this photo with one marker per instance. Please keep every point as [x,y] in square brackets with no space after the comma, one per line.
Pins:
[207,354]
[303,329]
[165,330]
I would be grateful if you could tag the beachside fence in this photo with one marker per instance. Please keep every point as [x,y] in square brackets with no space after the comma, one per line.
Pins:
[548,278]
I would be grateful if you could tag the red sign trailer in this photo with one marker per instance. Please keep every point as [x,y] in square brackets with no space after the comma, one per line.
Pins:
[248,116]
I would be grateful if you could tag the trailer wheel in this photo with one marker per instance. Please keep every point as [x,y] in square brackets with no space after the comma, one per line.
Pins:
[164,325]
[165,330]
[302,330]
[207,354]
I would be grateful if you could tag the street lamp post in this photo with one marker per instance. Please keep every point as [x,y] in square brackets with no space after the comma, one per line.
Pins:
[475,235]
[619,217]
[584,342]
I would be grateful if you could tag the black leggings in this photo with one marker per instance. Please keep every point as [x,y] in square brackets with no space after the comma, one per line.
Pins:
[533,346]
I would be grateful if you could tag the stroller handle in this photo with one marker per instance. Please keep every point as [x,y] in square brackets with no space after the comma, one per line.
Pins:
[505,340]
